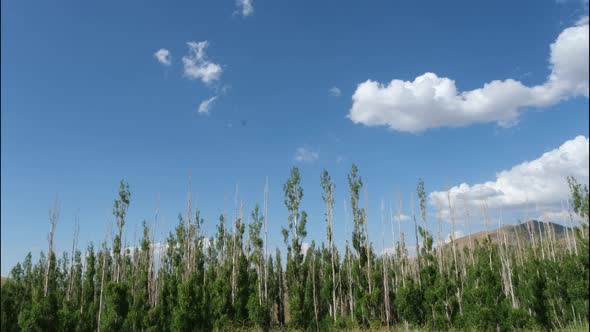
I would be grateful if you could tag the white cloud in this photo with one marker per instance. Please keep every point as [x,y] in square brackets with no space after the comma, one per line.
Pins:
[541,182]
[304,247]
[552,216]
[389,251]
[159,248]
[197,66]
[245,7]
[583,2]
[560,216]
[205,105]
[431,101]
[404,217]
[307,156]
[163,56]
[401,217]
[583,20]
[458,234]
[335,92]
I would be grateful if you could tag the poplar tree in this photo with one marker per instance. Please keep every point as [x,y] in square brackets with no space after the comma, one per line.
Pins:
[296,276]
[191,281]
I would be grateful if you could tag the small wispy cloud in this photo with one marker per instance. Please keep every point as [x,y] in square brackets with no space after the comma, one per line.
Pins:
[245,7]
[163,56]
[401,217]
[335,92]
[197,66]
[205,105]
[305,155]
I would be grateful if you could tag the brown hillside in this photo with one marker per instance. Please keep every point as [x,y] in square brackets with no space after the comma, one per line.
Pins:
[522,231]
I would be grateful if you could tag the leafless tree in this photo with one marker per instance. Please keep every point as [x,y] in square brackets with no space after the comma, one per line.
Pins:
[53,217]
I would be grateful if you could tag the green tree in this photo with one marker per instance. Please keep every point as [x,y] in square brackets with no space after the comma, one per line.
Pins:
[296,276]
[120,207]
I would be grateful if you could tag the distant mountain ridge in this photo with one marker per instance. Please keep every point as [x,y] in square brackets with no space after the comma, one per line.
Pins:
[526,232]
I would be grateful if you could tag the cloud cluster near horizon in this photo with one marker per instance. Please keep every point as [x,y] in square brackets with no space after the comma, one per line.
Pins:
[541,182]
[430,101]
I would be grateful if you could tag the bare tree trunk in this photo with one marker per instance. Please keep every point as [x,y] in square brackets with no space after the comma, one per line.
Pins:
[531,231]
[438,239]
[520,249]
[351,298]
[506,265]
[187,235]
[567,233]
[540,233]
[453,246]
[162,260]
[335,305]
[329,216]
[554,243]
[468,222]
[580,220]
[367,242]
[402,244]
[571,219]
[74,248]
[134,263]
[452,237]
[511,284]
[548,233]
[417,244]
[260,272]
[119,254]
[385,278]
[315,302]
[151,266]
[266,239]
[104,259]
[233,269]
[486,221]
[53,217]
[391,260]
[82,290]
[224,246]
[341,299]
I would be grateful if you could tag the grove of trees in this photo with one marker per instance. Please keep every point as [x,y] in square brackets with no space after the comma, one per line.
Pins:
[200,282]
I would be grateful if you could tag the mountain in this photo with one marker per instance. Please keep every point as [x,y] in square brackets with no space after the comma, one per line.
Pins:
[524,232]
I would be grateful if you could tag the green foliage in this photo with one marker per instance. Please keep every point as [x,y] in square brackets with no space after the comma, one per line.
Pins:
[116,307]
[580,198]
[200,283]
[10,307]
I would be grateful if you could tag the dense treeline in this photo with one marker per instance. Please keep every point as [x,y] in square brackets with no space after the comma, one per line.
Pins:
[197,282]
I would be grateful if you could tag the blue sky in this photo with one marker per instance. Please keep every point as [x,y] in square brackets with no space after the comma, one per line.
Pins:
[85,103]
